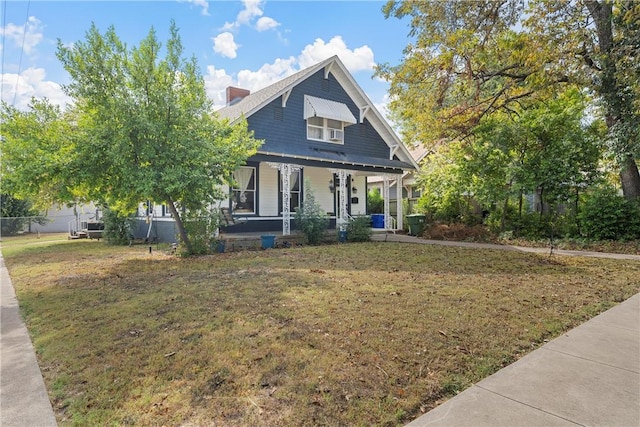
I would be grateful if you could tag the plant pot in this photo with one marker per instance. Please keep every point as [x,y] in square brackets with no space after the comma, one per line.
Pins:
[268,241]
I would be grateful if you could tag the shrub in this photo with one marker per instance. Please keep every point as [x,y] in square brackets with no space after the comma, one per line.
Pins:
[201,228]
[359,229]
[117,227]
[311,220]
[608,216]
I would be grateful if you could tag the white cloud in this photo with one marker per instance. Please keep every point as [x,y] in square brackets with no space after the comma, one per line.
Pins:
[358,59]
[28,35]
[224,44]
[265,23]
[252,10]
[267,74]
[204,4]
[215,83]
[29,84]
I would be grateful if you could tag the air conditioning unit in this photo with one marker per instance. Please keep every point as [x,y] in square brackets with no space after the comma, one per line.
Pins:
[336,135]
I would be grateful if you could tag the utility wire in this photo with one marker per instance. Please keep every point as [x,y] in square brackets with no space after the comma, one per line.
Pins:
[24,36]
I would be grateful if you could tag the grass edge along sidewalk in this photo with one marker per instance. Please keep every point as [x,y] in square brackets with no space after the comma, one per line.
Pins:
[23,397]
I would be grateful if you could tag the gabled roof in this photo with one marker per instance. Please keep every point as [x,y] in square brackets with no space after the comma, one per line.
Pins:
[257,100]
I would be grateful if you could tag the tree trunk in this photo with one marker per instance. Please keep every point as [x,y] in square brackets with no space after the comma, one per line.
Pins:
[610,89]
[520,202]
[503,220]
[630,178]
[180,225]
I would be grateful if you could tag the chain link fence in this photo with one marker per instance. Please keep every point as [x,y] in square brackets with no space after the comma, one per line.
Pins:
[11,226]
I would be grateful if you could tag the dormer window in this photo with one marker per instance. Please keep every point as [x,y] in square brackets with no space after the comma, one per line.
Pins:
[326,119]
[321,129]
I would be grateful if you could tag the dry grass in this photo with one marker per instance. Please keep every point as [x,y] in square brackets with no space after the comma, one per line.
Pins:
[480,233]
[351,334]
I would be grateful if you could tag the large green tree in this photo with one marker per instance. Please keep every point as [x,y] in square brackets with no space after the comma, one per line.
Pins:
[145,127]
[141,128]
[471,59]
[37,154]
[547,150]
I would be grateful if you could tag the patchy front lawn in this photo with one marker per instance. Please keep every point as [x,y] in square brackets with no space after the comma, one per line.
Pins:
[350,334]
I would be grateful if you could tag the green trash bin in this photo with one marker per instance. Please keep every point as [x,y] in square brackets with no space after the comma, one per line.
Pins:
[417,224]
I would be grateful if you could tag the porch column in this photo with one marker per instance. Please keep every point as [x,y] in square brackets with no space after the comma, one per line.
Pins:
[286,170]
[399,188]
[342,217]
[385,197]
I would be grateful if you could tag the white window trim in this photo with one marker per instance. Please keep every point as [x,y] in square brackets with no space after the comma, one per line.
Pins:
[254,191]
[325,131]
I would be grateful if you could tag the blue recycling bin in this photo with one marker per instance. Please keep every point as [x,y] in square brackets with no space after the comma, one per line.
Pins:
[342,236]
[268,241]
[377,220]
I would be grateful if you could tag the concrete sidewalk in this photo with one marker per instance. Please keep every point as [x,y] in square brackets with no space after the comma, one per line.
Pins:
[23,397]
[590,376]
[403,238]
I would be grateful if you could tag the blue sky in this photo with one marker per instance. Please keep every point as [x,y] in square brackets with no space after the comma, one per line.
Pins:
[246,43]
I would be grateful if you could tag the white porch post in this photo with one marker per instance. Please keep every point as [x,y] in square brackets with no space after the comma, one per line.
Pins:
[286,170]
[399,188]
[342,174]
[385,197]
[342,217]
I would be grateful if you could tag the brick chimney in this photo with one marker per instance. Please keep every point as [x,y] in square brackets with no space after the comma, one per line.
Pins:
[235,94]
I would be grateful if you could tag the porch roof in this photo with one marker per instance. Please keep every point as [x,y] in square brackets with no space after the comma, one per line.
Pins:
[337,160]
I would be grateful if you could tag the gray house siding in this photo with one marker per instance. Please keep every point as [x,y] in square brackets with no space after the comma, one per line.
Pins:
[284,130]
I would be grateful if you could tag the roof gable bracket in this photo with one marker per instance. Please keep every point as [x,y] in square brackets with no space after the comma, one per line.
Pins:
[327,69]
[285,97]
[392,151]
[363,112]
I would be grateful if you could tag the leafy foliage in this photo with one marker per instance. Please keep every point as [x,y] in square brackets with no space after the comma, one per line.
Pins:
[546,151]
[359,229]
[310,218]
[146,126]
[117,227]
[607,216]
[38,154]
[375,202]
[201,226]
[471,60]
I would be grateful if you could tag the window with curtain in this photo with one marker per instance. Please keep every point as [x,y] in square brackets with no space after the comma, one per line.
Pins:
[244,193]
[294,190]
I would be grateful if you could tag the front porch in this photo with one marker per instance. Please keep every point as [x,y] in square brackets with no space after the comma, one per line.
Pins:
[268,193]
